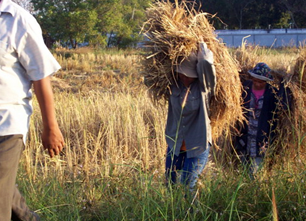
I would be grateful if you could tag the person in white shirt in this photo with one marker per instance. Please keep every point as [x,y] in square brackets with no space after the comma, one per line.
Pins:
[24,61]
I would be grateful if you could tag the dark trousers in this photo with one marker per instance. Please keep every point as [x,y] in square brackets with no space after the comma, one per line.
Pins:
[12,204]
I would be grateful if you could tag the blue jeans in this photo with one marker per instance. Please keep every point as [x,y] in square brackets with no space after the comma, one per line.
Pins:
[190,168]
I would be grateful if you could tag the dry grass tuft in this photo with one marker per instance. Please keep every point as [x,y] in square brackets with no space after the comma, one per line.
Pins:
[299,72]
[174,31]
[97,71]
[249,55]
[293,125]
[246,57]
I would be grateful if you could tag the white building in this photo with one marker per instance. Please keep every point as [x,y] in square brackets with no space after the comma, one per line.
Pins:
[269,38]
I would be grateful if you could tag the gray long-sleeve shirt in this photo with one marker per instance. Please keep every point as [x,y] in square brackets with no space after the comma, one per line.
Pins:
[191,123]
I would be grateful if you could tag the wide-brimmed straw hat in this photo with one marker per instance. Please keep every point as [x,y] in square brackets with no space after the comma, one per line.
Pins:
[189,66]
[261,71]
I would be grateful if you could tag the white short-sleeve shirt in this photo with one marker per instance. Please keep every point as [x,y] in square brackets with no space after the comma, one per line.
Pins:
[24,58]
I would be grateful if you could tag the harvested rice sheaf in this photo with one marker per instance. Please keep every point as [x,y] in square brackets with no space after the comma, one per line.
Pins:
[246,58]
[293,124]
[299,72]
[174,31]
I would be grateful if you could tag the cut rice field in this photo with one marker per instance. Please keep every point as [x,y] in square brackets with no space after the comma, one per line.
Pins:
[112,167]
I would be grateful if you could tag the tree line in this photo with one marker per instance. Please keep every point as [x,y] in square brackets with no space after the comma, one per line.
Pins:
[106,23]
[253,14]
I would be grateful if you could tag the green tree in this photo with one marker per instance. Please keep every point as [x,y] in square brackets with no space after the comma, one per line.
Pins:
[297,11]
[250,14]
[284,21]
[82,23]
[238,9]
[120,20]
[67,21]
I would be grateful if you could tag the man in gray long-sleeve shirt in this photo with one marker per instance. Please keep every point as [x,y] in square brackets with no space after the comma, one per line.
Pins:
[188,130]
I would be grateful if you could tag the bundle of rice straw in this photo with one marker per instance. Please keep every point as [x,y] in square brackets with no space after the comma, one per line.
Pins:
[174,31]
[292,127]
[299,72]
[246,58]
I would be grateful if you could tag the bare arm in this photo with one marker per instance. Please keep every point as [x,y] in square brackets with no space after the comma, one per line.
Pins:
[52,137]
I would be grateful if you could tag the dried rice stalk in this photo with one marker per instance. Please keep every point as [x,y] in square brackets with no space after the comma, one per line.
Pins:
[246,57]
[174,31]
[299,72]
[293,125]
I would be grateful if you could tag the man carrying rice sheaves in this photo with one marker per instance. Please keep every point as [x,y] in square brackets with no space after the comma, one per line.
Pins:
[190,69]
[188,129]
